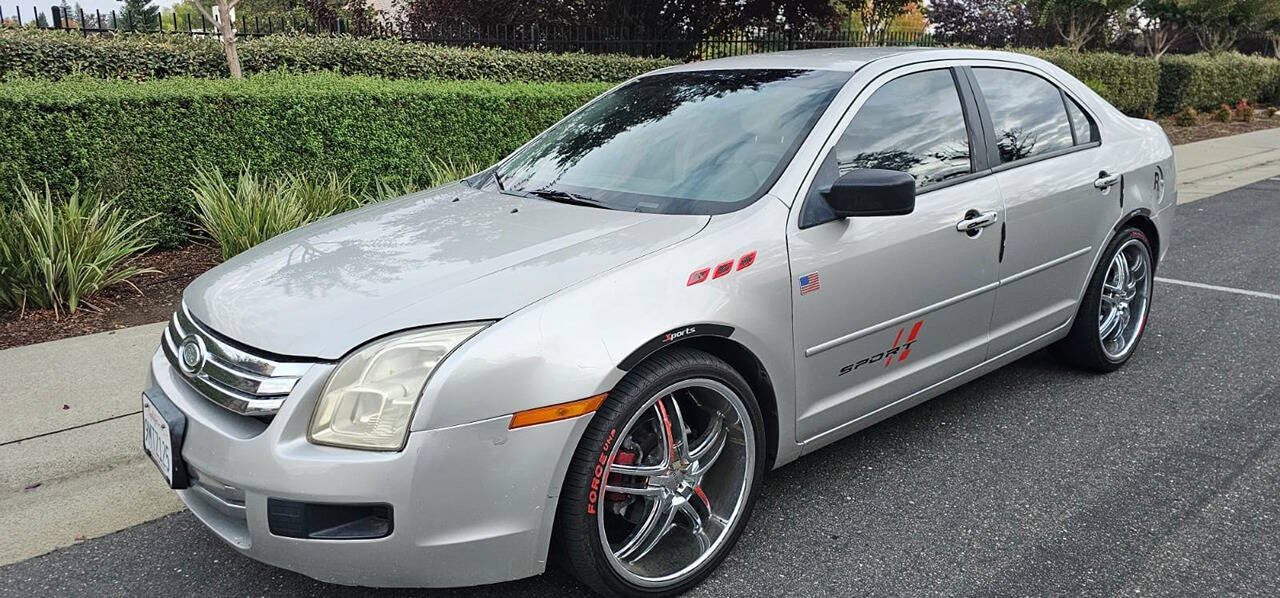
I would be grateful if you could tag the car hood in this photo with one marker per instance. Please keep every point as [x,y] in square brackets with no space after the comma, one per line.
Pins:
[446,255]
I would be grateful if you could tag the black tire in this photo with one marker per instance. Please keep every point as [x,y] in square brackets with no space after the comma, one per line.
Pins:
[1082,347]
[576,539]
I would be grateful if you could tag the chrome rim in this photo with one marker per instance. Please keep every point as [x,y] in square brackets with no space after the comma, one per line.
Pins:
[1126,291]
[676,482]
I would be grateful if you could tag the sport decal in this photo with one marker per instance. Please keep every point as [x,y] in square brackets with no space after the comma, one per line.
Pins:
[809,283]
[899,351]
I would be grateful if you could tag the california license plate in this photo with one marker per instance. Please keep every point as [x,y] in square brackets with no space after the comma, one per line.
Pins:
[162,429]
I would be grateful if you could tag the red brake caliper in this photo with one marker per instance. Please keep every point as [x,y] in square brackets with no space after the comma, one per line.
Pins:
[622,457]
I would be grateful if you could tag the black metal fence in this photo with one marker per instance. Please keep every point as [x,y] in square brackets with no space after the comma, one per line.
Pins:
[531,37]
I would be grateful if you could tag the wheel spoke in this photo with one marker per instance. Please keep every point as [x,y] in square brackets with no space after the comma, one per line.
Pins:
[706,458]
[680,434]
[1121,265]
[1137,271]
[649,538]
[644,471]
[668,438]
[715,430]
[695,525]
[1109,325]
[652,517]
[645,491]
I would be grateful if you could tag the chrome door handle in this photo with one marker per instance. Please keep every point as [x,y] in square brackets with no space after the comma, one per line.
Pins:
[1106,181]
[974,221]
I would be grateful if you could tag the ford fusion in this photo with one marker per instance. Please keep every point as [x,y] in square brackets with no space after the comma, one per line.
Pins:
[595,349]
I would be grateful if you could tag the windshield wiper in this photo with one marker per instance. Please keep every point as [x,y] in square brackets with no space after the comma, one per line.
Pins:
[559,196]
[497,178]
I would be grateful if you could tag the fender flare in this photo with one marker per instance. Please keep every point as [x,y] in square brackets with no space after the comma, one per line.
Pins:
[679,333]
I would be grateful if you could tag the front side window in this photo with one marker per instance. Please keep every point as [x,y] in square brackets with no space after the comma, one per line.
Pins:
[1026,111]
[914,124]
[702,142]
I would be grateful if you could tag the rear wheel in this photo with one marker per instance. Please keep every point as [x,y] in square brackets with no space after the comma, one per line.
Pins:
[664,477]
[1113,314]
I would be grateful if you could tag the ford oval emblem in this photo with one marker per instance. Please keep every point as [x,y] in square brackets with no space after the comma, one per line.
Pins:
[191,354]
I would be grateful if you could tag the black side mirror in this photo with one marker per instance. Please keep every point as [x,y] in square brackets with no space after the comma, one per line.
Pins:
[872,192]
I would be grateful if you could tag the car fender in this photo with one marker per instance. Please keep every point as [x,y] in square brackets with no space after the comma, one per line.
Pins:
[577,343]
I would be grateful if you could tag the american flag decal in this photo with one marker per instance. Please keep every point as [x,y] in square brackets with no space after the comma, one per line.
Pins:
[809,283]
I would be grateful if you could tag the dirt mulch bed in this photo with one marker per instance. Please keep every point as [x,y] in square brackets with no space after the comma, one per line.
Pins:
[1209,128]
[120,306]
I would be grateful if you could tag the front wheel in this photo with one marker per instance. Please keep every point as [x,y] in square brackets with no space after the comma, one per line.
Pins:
[664,478]
[1113,314]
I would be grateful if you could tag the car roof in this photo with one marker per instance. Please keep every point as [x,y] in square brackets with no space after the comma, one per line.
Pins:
[831,59]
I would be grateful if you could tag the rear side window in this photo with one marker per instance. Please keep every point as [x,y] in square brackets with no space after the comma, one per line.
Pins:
[1027,113]
[1086,131]
[914,124]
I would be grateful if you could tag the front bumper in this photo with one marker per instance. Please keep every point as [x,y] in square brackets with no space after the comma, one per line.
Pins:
[472,504]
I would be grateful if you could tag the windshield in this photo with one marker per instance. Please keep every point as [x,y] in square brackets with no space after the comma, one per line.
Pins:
[705,142]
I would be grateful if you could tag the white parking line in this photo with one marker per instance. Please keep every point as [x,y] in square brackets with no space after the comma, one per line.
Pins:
[1214,287]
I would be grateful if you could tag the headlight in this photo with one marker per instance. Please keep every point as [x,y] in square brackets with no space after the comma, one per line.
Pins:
[369,399]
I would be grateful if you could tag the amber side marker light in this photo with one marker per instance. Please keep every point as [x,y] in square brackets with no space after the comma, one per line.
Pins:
[552,413]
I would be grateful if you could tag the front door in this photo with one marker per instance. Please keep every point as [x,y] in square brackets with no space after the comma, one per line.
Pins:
[886,306]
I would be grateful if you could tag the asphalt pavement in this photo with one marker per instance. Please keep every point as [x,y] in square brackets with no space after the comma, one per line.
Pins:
[1161,479]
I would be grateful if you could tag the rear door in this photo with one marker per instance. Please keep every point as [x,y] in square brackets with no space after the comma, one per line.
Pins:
[886,306]
[1047,163]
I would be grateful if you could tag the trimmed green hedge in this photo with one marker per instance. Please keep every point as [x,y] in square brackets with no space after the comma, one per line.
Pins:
[55,54]
[1130,83]
[144,140]
[1204,81]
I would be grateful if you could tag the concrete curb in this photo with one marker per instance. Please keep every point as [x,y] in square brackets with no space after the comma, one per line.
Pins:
[69,474]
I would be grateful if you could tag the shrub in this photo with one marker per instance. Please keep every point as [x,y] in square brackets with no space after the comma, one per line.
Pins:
[1205,81]
[1223,113]
[54,54]
[368,129]
[252,208]
[1130,83]
[1187,117]
[57,252]
[317,195]
[246,211]
[1244,111]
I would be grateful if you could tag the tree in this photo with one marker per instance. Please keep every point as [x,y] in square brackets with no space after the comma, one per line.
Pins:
[1078,22]
[877,15]
[1160,24]
[226,31]
[990,23]
[1271,29]
[138,14]
[1218,24]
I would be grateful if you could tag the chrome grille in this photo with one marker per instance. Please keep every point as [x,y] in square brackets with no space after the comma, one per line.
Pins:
[238,380]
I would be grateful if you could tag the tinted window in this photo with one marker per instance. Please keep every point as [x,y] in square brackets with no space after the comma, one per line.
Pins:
[1086,131]
[1027,112]
[704,142]
[914,124]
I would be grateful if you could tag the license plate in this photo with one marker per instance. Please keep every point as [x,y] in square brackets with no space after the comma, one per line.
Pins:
[162,429]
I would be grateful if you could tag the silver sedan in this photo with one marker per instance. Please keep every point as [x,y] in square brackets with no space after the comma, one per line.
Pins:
[598,346]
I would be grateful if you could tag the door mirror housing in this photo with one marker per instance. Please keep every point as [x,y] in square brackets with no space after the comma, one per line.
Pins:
[872,192]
